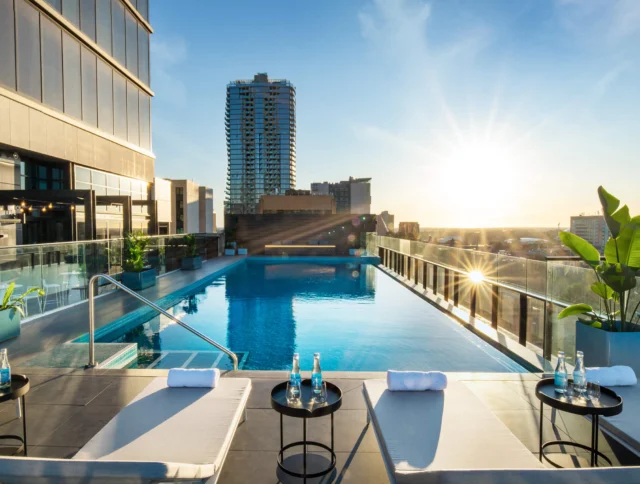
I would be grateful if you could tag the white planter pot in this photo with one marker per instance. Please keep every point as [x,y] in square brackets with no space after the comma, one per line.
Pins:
[229,252]
[604,348]
[242,251]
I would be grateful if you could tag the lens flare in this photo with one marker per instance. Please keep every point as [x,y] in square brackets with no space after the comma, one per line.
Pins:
[476,277]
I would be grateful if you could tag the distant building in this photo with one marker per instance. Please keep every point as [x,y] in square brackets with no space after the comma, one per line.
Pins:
[384,223]
[261,141]
[192,208]
[409,228]
[592,228]
[162,194]
[352,195]
[318,204]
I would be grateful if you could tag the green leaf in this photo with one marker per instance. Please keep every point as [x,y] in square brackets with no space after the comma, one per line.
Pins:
[581,248]
[609,203]
[7,294]
[619,277]
[625,249]
[602,290]
[575,309]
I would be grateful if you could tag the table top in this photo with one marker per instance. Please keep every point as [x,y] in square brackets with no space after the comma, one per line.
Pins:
[19,387]
[306,407]
[608,405]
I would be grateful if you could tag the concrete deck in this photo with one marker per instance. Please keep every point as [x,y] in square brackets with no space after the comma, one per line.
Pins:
[65,408]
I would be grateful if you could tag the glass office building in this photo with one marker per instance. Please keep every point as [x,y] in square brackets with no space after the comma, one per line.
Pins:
[75,119]
[261,141]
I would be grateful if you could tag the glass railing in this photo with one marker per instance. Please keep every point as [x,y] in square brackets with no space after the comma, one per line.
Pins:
[527,290]
[63,270]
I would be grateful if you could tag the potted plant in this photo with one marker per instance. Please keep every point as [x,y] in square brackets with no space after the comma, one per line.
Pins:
[610,335]
[12,310]
[137,273]
[243,251]
[230,248]
[191,259]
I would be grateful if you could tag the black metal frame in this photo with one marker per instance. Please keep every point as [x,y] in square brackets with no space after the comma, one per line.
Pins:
[18,394]
[453,279]
[567,406]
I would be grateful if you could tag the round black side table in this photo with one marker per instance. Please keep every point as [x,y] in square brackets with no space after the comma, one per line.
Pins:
[304,409]
[608,405]
[19,388]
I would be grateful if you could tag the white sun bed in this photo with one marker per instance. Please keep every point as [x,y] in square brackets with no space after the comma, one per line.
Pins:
[451,437]
[164,435]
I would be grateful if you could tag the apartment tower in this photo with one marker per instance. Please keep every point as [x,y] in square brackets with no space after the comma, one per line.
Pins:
[261,141]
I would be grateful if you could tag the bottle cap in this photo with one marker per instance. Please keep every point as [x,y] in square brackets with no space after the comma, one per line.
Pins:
[316,355]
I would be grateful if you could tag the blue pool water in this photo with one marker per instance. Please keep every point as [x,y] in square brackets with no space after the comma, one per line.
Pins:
[356,316]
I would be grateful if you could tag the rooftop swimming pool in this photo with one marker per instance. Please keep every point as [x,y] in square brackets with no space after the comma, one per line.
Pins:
[356,316]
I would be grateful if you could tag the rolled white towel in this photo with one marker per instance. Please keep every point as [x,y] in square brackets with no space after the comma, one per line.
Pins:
[612,376]
[182,377]
[415,381]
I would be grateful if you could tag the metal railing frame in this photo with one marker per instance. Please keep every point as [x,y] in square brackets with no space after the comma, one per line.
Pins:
[92,285]
[451,291]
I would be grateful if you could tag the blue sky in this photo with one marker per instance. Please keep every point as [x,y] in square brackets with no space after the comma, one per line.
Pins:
[473,113]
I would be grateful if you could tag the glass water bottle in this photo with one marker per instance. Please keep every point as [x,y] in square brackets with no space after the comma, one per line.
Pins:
[580,375]
[560,379]
[316,375]
[5,370]
[295,380]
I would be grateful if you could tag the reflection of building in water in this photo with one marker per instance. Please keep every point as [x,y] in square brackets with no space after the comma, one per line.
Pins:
[261,317]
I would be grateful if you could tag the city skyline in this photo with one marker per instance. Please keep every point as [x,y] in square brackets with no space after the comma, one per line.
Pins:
[467,114]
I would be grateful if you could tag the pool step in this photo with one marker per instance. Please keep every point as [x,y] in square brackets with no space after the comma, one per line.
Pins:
[165,360]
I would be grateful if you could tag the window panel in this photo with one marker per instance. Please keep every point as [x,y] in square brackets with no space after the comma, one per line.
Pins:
[28,39]
[7,45]
[71,11]
[71,72]
[120,106]
[145,121]
[89,96]
[143,8]
[132,43]
[119,45]
[88,18]
[51,63]
[56,4]
[143,54]
[105,97]
[132,113]
[103,24]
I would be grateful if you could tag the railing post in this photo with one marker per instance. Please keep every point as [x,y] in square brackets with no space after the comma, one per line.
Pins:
[447,283]
[456,288]
[415,271]
[473,299]
[495,305]
[92,324]
[424,274]
[522,337]
[434,280]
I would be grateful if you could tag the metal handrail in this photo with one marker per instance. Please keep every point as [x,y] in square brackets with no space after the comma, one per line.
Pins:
[92,283]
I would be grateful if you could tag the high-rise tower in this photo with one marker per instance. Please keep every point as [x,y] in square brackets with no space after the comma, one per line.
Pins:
[261,141]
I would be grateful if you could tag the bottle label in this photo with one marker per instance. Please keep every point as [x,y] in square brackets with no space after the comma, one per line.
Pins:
[316,380]
[560,381]
[5,376]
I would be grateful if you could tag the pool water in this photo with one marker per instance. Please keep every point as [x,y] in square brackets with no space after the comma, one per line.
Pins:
[356,316]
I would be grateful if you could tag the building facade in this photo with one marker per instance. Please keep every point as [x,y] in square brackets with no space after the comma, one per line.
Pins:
[409,229]
[261,141]
[592,228]
[76,159]
[192,207]
[162,194]
[352,195]
[318,204]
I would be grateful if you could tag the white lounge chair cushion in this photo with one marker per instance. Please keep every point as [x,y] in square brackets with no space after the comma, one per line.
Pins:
[424,432]
[192,426]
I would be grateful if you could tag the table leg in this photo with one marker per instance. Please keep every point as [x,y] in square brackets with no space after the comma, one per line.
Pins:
[304,447]
[332,432]
[281,437]
[541,421]
[24,424]
[596,423]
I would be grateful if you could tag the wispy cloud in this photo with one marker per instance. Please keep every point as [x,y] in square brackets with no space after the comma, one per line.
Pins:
[167,54]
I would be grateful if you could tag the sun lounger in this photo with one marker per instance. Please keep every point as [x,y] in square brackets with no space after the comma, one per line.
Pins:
[451,437]
[164,435]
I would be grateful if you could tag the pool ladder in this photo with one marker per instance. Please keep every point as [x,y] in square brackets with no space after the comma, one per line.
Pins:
[92,326]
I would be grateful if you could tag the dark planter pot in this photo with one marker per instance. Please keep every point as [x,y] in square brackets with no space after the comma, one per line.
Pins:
[191,263]
[604,348]
[9,324]
[139,280]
